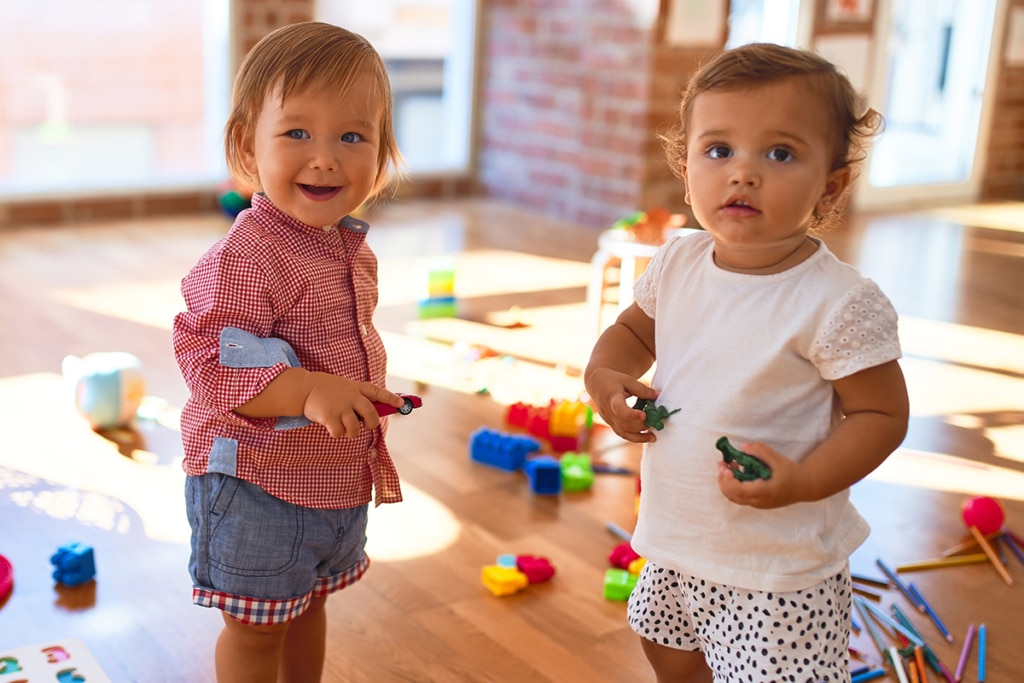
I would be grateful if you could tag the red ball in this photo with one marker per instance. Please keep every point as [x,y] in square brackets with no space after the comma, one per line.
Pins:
[982,512]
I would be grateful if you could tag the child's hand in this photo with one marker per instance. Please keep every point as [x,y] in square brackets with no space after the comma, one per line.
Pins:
[343,406]
[609,391]
[785,487]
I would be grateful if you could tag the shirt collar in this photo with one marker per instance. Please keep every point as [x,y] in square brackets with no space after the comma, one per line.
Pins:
[262,205]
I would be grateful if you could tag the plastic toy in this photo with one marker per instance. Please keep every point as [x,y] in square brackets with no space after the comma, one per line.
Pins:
[507,560]
[231,200]
[618,584]
[108,387]
[411,402]
[504,451]
[74,564]
[503,580]
[545,475]
[656,414]
[439,301]
[636,566]
[563,424]
[6,578]
[536,569]
[982,512]
[748,468]
[577,472]
[622,555]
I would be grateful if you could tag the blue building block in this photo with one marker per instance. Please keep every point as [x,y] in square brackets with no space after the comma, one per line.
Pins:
[504,451]
[74,564]
[545,475]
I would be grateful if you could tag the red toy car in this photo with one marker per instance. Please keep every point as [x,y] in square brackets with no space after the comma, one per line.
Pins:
[410,403]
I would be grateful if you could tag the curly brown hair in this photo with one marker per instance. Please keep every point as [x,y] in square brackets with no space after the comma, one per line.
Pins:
[295,58]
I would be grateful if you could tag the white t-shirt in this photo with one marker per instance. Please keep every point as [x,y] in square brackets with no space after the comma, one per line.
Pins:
[751,357]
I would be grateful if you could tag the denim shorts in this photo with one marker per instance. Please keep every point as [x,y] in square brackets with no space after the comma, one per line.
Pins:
[262,559]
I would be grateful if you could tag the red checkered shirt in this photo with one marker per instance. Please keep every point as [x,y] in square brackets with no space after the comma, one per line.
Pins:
[314,289]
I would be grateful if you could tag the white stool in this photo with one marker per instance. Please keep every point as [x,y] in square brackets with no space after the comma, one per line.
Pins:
[617,250]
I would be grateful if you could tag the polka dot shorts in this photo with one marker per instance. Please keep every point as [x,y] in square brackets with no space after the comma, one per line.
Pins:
[748,635]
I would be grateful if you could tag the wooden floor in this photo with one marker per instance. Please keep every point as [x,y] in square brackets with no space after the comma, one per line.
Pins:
[956,276]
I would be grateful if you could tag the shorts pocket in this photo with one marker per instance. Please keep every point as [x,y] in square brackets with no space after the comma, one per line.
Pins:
[252,533]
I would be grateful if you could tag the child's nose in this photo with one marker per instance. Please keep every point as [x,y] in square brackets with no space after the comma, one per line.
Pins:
[324,158]
[746,173]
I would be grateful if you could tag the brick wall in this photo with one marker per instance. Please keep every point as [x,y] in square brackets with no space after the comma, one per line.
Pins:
[1004,169]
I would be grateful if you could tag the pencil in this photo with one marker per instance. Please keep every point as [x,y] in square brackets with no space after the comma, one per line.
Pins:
[992,555]
[867,676]
[940,562]
[931,614]
[899,584]
[877,597]
[897,664]
[981,652]
[895,625]
[967,545]
[929,654]
[869,580]
[619,531]
[912,671]
[876,638]
[922,673]
[1013,546]
[965,653]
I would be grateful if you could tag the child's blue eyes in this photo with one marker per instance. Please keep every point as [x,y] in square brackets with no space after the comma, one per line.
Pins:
[303,135]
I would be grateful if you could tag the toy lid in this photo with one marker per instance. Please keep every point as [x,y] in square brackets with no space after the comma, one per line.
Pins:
[6,577]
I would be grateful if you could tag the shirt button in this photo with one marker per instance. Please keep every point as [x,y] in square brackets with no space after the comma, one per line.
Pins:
[373,453]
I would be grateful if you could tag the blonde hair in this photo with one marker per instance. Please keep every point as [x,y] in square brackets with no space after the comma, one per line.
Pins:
[295,58]
[852,123]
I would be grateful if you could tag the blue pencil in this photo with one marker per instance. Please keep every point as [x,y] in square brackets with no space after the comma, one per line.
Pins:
[892,623]
[981,652]
[899,585]
[1008,539]
[931,614]
[619,531]
[933,659]
[868,675]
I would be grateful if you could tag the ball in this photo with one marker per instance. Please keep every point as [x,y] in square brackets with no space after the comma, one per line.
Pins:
[982,512]
[108,387]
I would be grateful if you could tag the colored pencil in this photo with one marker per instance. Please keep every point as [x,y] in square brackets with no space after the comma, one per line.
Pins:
[931,613]
[869,580]
[967,545]
[981,652]
[868,676]
[940,562]
[899,584]
[874,596]
[922,672]
[965,653]
[893,624]
[1013,546]
[992,555]
[929,654]
[897,664]
[619,531]
[876,638]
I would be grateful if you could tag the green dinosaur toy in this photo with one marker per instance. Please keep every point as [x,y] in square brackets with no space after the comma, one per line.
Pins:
[750,467]
[655,414]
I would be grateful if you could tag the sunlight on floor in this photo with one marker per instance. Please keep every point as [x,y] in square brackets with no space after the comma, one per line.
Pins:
[420,525]
[1000,216]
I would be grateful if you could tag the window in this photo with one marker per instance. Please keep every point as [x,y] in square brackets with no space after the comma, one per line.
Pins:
[111,94]
[428,46]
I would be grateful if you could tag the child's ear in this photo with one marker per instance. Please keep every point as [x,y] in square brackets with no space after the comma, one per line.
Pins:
[835,185]
[686,183]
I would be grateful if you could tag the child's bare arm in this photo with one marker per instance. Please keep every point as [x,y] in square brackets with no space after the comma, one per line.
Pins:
[341,405]
[876,407]
[624,352]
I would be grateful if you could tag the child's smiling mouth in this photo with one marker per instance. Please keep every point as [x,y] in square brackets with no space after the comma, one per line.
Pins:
[319,192]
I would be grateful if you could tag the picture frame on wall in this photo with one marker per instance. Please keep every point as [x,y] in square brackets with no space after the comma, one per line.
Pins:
[845,16]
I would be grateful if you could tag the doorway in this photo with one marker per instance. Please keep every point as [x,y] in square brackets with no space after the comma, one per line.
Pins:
[932,64]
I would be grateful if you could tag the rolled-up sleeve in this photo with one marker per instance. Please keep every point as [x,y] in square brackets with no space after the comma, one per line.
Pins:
[213,310]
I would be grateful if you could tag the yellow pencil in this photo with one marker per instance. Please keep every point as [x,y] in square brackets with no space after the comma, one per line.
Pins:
[939,562]
[980,538]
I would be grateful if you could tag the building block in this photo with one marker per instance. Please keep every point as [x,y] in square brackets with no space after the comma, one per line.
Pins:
[618,584]
[507,560]
[545,475]
[622,555]
[536,569]
[503,580]
[637,565]
[504,451]
[577,472]
[74,564]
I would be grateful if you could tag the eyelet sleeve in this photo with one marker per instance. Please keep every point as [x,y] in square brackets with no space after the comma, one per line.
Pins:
[858,333]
